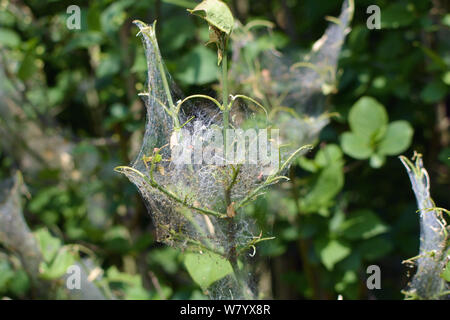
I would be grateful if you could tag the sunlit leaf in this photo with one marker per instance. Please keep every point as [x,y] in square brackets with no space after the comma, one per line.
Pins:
[216,13]
[49,245]
[368,118]
[355,145]
[397,138]
[58,267]
[332,252]
[206,268]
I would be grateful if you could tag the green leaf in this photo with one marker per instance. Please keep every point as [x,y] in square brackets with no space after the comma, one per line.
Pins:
[49,245]
[199,67]
[446,20]
[117,239]
[328,183]
[433,92]
[397,15]
[397,138]
[166,258]
[114,275]
[368,118]
[181,30]
[307,164]
[272,248]
[114,16]
[27,67]
[9,38]
[446,273]
[182,3]
[84,40]
[20,283]
[216,13]
[332,252]
[362,224]
[446,77]
[93,18]
[375,248]
[355,146]
[349,277]
[158,158]
[132,284]
[63,260]
[140,63]
[6,274]
[328,155]
[136,293]
[444,156]
[109,65]
[7,18]
[206,268]
[163,294]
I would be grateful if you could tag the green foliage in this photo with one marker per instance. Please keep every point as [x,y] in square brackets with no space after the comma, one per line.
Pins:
[131,284]
[58,266]
[327,180]
[216,13]
[372,136]
[15,281]
[397,15]
[446,273]
[334,217]
[332,251]
[6,274]
[200,67]
[57,258]
[206,268]
[361,225]
[49,245]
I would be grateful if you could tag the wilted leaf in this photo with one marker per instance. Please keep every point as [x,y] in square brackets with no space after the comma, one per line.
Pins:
[216,13]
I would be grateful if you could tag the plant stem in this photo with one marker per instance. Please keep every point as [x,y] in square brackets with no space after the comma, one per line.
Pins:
[225,100]
[225,87]
[232,253]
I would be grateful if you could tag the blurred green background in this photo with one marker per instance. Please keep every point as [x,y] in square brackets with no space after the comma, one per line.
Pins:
[70,113]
